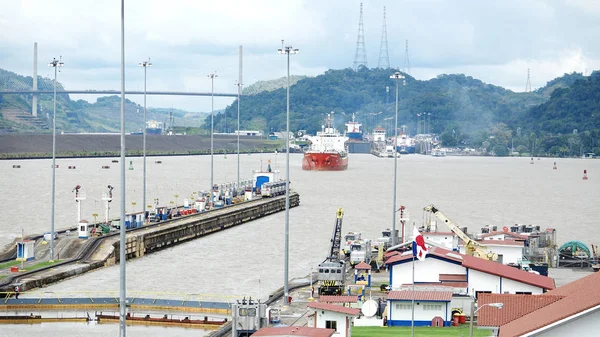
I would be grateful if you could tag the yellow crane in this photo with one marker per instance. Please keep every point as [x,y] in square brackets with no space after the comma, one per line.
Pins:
[472,247]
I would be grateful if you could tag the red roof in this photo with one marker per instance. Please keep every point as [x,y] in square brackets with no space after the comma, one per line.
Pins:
[453,277]
[485,266]
[512,273]
[514,306]
[407,295]
[334,308]
[579,296]
[338,299]
[362,266]
[295,331]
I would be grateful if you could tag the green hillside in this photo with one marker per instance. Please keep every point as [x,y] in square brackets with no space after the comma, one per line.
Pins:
[104,115]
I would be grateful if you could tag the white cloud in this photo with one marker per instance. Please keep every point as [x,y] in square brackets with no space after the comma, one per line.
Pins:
[494,41]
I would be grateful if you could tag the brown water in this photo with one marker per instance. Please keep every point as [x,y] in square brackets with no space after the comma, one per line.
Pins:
[248,260]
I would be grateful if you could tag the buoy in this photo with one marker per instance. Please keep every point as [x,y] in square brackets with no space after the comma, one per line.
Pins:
[72,167]
[554,167]
[16,166]
[105,167]
[531,160]
[131,164]
[585,177]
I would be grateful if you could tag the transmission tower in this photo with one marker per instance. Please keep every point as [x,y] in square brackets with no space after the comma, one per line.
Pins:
[360,59]
[528,85]
[384,57]
[406,68]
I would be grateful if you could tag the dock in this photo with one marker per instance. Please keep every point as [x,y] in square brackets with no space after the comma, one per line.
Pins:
[78,256]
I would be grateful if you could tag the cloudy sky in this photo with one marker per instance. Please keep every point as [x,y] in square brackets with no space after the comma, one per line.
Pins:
[495,41]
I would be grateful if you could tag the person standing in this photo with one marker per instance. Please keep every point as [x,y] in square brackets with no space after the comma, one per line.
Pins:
[17,290]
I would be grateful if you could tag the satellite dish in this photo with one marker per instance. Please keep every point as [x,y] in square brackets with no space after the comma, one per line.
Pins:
[369,308]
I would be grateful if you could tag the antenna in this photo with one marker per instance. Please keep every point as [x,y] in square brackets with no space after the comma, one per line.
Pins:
[384,57]
[406,68]
[360,59]
[528,84]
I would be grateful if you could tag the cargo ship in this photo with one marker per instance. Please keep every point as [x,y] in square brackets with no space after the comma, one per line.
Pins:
[353,131]
[327,151]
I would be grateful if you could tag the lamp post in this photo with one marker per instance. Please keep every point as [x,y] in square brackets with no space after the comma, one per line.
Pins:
[144,64]
[239,85]
[473,312]
[397,76]
[212,125]
[122,234]
[56,64]
[287,50]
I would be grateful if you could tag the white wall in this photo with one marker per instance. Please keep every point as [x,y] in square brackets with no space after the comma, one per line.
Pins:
[448,241]
[510,254]
[496,237]
[402,310]
[425,271]
[479,281]
[582,326]
[513,286]
[324,315]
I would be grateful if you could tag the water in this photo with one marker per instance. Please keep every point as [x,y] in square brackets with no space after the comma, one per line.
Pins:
[248,259]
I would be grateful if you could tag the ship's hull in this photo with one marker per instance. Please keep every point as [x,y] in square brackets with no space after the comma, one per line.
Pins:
[324,161]
[354,136]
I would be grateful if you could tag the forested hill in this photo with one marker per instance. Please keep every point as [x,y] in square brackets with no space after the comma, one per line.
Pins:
[459,102]
[576,107]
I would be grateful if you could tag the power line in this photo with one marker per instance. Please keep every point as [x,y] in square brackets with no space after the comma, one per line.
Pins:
[384,57]
[360,58]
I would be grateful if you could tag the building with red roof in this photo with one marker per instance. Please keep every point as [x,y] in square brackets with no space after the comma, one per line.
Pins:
[427,306]
[481,276]
[332,316]
[570,310]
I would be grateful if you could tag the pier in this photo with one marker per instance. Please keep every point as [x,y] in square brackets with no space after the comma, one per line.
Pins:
[82,255]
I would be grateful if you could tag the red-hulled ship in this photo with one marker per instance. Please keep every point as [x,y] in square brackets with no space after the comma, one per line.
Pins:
[327,150]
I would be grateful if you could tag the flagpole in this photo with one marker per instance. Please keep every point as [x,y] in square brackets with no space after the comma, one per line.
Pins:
[412,321]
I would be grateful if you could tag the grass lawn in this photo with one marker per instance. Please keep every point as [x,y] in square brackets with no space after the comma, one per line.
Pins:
[459,331]
[28,268]
[9,264]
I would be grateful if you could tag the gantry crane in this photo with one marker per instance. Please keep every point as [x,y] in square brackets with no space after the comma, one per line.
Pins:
[472,247]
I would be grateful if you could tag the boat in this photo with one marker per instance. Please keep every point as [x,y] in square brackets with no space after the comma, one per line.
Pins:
[406,144]
[328,150]
[154,127]
[353,131]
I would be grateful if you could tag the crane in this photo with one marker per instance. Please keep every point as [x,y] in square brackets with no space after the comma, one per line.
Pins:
[472,247]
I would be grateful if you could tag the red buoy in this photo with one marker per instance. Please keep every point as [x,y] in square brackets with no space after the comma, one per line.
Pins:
[585,177]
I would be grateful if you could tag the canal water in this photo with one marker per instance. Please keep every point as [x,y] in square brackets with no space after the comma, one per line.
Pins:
[248,260]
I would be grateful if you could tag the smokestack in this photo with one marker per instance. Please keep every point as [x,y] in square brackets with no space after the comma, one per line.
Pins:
[34,100]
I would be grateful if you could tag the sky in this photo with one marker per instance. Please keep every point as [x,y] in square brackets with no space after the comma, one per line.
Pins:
[495,41]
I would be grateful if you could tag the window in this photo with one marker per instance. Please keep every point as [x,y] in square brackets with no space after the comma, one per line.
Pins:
[523,292]
[331,325]
[432,307]
[403,307]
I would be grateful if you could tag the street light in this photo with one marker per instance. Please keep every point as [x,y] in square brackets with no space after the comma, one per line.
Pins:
[397,76]
[56,64]
[239,85]
[473,312]
[287,50]
[212,125]
[144,64]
